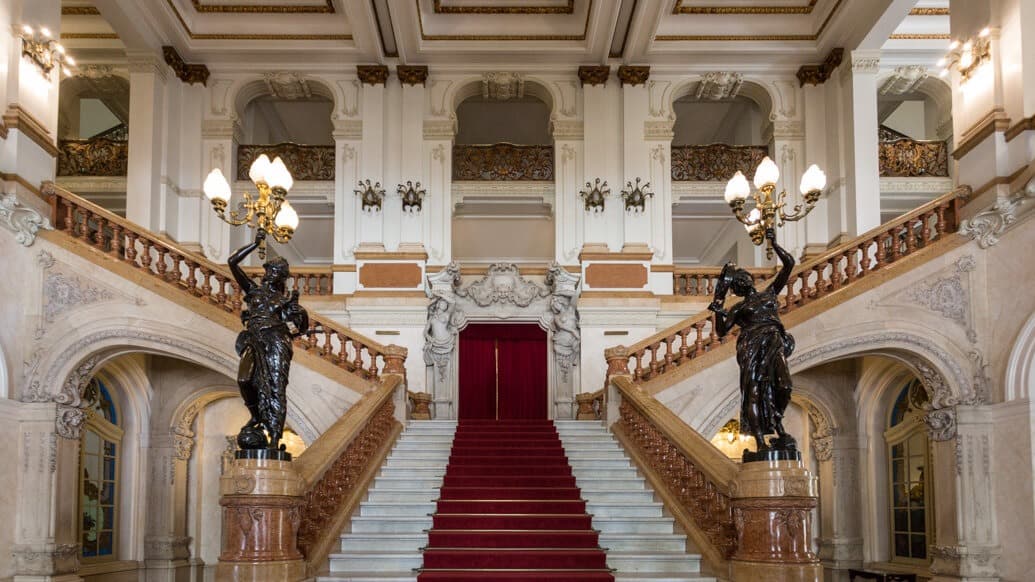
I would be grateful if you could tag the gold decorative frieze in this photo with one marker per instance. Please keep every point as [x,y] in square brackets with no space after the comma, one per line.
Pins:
[372,74]
[679,8]
[719,161]
[247,36]
[929,12]
[630,75]
[500,37]
[903,157]
[592,75]
[503,162]
[818,74]
[325,7]
[79,11]
[305,162]
[412,74]
[525,8]
[189,74]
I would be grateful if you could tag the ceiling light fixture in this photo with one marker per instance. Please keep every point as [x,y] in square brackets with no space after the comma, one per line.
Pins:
[39,46]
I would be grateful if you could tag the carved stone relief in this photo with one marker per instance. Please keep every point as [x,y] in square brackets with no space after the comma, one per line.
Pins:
[904,80]
[503,86]
[988,225]
[21,220]
[948,296]
[284,85]
[719,85]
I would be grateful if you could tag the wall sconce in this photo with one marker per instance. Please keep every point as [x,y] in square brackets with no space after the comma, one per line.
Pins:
[968,55]
[412,196]
[635,197]
[593,195]
[40,47]
[371,195]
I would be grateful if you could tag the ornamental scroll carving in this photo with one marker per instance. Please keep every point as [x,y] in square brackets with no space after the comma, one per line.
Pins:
[503,283]
[902,157]
[503,162]
[99,156]
[305,162]
[719,161]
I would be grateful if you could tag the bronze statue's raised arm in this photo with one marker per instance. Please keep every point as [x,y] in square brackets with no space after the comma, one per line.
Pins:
[785,258]
[234,262]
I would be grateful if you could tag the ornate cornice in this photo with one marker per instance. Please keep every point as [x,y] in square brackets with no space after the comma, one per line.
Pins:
[372,74]
[818,74]
[189,74]
[439,128]
[680,9]
[79,11]
[412,74]
[929,12]
[594,75]
[567,129]
[633,75]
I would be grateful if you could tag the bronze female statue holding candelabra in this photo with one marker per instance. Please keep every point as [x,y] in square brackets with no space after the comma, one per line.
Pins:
[272,318]
[762,350]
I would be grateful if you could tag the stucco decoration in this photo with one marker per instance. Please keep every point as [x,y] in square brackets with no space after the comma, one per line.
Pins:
[21,220]
[988,225]
[719,85]
[503,284]
[503,86]
[949,296]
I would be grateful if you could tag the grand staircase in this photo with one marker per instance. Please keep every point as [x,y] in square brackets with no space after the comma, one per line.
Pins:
[521,501]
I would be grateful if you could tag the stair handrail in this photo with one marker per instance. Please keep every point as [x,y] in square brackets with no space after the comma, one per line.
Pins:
[827,273]
[316,280]
[206,281]
[693,478]
[339,466]
[705,278]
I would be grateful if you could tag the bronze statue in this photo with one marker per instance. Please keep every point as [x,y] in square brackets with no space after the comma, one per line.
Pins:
[272,318]
[762,350]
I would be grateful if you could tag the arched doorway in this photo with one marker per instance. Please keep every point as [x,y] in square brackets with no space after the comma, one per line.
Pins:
[503,372]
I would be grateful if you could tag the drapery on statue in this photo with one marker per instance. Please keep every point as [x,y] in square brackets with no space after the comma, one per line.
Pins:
[271,319]
[762,350]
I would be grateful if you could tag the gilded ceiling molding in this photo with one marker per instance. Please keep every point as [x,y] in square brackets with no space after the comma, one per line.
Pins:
[568,8]
[79,11]
[919,37]
[630,75]
[594,75]
[929,12]
[326,8]
[495,37]
[90,35]
[754,37]
[818,74]
[412,74]
[247,36]
[680,9]
[189,74]
[372,74]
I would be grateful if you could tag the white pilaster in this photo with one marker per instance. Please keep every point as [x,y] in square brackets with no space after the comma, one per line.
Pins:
[603,159]
[147,103]
[859,120]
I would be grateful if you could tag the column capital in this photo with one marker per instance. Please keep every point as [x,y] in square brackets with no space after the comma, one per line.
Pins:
[633,75]
[146,62]
[594,75]
[189,74]
[865,61]
[818,74]
[412,74]
[372,74]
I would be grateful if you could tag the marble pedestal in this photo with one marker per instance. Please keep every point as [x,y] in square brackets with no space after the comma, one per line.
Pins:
[261,500]
[772,510]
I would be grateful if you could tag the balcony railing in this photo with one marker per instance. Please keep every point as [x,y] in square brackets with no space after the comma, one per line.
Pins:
[903,157]
[715,162]
[700,281]
[98,156]
[503,162]
[305,162]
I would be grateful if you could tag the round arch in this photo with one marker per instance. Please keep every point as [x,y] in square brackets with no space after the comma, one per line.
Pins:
[251,90]
[1019,382]
[533,86]
[754,90]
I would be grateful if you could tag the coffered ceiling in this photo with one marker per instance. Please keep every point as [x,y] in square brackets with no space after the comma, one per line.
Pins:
[675,33]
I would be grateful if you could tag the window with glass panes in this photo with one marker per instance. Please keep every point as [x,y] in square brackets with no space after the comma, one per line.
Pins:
[909,472]
[99,471]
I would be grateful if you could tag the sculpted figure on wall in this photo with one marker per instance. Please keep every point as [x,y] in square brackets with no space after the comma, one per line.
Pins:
[762,350]
[441,332]
[272,318]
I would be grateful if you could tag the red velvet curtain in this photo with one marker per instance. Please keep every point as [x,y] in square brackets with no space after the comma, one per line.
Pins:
[518,353]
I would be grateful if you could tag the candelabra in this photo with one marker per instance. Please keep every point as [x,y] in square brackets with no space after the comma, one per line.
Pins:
[967,56]
[269,210]
[40,47]
[768,211]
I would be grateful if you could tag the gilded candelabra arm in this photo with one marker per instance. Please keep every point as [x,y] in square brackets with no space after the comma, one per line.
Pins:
[232,217]
[800,210]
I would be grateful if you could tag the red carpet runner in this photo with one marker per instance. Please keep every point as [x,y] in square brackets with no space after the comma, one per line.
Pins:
[509,510]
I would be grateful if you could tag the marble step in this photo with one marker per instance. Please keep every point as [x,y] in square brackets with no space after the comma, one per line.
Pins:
[658,562]
[412,495]
[355,542]
[396,508]
[597,509]
[656,525]
[402,482]
[379,561]
[410,524]
[613,484]
[369,577]
[632,542]
[604,495]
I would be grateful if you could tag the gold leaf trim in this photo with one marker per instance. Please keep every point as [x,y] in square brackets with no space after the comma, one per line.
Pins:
[505,37]
[754,37]
[918,37]
[90,35]
[79,11]
[326,8]
[680,9]
[218,36]
[569,8]
[929,12]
